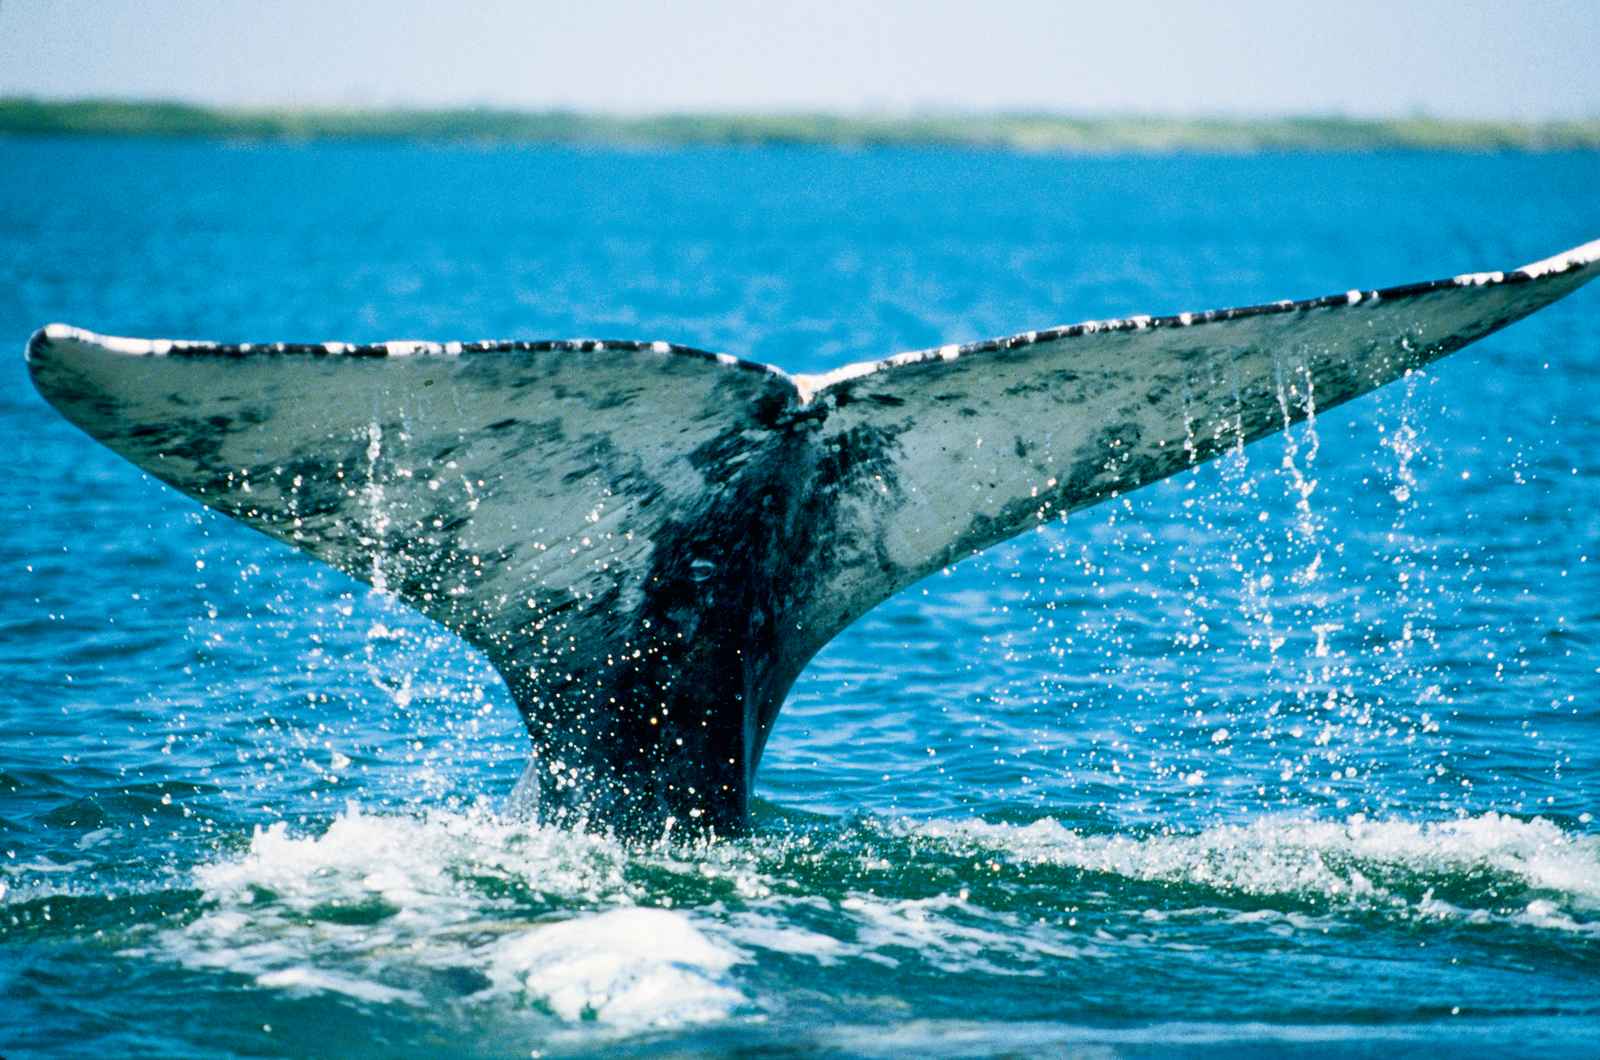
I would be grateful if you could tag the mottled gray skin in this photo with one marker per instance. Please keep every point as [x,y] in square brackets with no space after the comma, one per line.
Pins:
[651,542]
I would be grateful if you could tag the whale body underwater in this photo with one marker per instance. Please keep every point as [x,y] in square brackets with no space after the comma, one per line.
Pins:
[650,542]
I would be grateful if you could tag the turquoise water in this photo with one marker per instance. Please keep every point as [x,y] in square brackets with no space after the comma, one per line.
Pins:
[1298,752]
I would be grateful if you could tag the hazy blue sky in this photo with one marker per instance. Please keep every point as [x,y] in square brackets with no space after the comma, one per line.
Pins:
[1535,58]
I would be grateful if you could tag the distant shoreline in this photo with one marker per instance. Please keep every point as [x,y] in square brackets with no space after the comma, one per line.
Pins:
[1044,133]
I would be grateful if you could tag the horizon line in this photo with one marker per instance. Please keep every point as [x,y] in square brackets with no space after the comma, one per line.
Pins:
[1041,131]
[869,112]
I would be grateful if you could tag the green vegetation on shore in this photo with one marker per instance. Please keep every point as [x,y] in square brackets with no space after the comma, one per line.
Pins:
[1021,132]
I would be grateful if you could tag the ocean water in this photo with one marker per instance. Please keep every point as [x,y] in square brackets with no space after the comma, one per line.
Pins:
[1298,752]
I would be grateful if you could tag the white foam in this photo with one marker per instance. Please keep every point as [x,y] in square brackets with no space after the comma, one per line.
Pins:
[944,931]
[1330,858]
[374,899]
[373,906]
[770,932]
[302,980]
[626,967]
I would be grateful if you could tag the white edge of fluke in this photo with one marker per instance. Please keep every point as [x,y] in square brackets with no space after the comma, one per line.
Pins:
[1577,257]
[809,385]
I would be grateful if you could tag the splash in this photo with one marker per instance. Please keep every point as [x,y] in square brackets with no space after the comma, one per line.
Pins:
[498,919]
[1301,392]
[383,909]
[1520,869]
[626,967]
[376,510]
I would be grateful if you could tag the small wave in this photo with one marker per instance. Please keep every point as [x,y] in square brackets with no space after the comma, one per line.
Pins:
[951,934]
[1551,873]
[471,909]
[382,909]
[311,980]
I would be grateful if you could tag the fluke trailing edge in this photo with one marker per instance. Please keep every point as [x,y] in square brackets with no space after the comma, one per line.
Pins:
[650,542]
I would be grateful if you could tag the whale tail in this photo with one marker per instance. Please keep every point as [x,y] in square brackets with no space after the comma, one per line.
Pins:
[650,542]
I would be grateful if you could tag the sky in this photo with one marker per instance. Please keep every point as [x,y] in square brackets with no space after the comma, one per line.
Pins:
[1536,59]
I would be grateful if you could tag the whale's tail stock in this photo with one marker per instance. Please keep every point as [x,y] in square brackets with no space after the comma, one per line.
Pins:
[650,542]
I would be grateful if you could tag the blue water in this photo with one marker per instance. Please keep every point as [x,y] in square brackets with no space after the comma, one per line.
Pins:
[1298,752]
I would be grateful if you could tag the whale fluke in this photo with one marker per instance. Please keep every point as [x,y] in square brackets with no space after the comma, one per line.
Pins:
[650,542]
